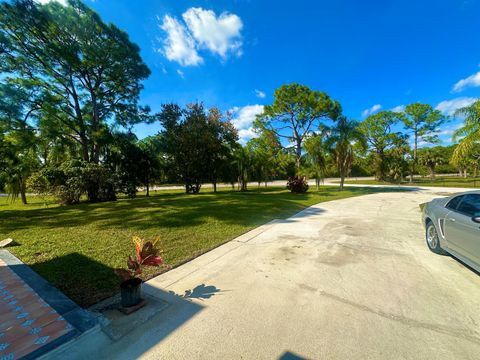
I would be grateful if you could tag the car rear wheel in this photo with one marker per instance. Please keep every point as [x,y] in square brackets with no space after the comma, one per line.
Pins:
[433,240]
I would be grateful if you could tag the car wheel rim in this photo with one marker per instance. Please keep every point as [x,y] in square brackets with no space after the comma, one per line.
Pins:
[432,236]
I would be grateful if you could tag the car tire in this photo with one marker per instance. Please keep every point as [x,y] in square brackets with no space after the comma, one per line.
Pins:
[432,239]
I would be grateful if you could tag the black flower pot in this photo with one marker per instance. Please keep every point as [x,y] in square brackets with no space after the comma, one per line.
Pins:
[131,292]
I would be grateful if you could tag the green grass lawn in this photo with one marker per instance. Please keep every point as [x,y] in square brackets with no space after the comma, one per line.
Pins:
[77,247]
[446,181]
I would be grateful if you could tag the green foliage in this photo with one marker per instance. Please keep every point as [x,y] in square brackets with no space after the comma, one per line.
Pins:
[296,112]
[423,122]
[316,158]
[345,137]
[396,159]
[264,150]
[73,179]
[379,136]
[197,144]
[69,78]
[469,134]
[431,158]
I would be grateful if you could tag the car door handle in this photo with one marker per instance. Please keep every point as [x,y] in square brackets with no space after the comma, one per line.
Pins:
[452,220]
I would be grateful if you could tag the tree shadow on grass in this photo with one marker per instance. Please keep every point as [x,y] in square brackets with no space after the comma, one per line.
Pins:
[172,210]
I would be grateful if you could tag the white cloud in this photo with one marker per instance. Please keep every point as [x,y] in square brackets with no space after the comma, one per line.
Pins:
[260,94]
[399,108]
[43,2]
[448,107]
[181,73]
[219,34]
[371,110]
[471,81]
[449,130]
[179,45]
[243,118]
[200,30]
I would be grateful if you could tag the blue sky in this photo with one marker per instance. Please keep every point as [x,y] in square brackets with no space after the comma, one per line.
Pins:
[369,55]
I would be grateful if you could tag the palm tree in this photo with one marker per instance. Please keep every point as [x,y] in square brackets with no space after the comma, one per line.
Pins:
[431,158]
[344,135]
[243,160]
[316,157]
[469,133]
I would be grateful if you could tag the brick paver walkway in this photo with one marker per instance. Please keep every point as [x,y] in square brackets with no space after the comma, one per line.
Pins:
[27,322]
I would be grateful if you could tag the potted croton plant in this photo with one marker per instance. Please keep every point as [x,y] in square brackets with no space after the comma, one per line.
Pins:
[146,254]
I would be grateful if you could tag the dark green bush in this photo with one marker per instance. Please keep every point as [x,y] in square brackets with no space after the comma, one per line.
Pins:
[73,179]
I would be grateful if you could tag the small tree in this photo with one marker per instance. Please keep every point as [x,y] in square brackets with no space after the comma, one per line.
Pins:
[316,157]
[397,159]
[243,160]
[423,122]
[379,135]
[264,149]
[221,141]
[430,158]
[344,135]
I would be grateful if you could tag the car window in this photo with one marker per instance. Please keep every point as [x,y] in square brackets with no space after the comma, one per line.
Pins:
[453,204]
[470,205]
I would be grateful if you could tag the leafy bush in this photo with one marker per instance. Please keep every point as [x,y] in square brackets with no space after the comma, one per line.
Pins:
[297,184]
[72,179]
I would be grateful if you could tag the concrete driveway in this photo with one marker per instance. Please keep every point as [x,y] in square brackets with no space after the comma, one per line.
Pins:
[347,279]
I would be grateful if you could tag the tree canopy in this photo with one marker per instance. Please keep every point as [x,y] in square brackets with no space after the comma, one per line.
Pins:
[423,122]
[380,136]
[79,75]
[296,112]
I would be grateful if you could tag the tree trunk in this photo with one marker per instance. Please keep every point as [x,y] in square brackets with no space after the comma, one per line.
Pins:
[23,194]
[214,186]
[85,154]
[148,190]
[342,181]
[414,164]
[298,150]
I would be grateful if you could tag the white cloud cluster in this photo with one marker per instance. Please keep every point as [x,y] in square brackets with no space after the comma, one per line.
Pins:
[471,81]
[448,107]
[201,29]
[243,118]
[399,108]
[371,110]
[260,94]
[218,34]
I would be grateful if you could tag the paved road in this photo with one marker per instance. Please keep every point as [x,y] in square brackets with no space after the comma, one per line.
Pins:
[347,279]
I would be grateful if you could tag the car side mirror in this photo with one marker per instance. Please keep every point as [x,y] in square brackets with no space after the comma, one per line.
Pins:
[476,219]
